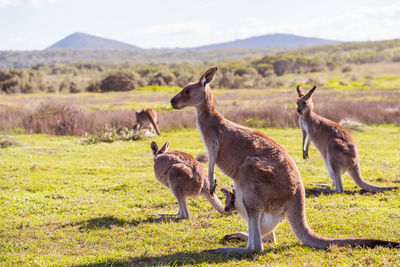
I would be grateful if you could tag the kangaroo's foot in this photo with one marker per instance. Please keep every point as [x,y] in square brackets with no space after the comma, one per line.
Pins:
[236,236]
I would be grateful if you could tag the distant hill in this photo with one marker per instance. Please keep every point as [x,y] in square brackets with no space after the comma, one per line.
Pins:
[350,52]
[84,41]
[270,40]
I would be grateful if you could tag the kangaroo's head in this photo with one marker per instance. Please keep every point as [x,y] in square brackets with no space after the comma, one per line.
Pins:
[156,151]
[194,93]
[304,103]
[229,199]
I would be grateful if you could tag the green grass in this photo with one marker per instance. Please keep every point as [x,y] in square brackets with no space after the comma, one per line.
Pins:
[63,203]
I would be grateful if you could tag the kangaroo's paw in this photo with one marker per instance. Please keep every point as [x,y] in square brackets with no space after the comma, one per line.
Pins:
[213,187]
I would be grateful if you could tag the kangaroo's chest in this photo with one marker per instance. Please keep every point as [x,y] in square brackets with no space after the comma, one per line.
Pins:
[304,125]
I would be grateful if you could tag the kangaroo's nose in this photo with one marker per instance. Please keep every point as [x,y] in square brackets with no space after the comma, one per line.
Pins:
[173,102]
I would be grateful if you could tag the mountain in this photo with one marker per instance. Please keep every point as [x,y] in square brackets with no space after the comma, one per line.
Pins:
[84,41]
[270,40]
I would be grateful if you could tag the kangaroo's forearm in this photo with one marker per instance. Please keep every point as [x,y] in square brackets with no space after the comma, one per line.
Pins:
[212,159]
[213,148]
[304,140]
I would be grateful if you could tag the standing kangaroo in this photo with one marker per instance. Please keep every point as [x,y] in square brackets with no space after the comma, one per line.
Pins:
[146,118]
[336,145]
[185,176]
[268,186]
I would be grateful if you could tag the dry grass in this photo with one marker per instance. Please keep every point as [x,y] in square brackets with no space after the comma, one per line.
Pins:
[254,108]
[62,119]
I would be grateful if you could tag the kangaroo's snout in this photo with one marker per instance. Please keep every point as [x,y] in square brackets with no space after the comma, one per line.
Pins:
[173,102]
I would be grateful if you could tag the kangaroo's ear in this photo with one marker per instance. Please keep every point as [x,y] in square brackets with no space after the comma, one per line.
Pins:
[225,192]
[164,147]
[311,92]
[154,148]
[208,76]
[300,91]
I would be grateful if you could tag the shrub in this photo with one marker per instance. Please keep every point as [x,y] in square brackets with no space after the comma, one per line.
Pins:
[347,69]
[120,81]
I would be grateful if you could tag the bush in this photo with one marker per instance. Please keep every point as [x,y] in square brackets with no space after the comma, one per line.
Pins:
[347,69]
[120,81]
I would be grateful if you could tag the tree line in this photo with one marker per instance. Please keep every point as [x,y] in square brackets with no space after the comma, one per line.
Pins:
[253,72]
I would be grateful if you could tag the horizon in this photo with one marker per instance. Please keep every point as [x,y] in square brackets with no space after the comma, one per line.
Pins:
[37,24]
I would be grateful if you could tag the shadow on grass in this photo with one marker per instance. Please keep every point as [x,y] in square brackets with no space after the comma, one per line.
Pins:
[192,258]
[108,222]
[315,192]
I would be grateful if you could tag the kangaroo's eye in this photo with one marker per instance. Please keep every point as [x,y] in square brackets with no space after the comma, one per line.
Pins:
[187,91]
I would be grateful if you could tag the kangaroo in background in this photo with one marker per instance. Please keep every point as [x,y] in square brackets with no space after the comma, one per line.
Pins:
[230,206]
[146,118]
[336,145]
[268,186]
[185,176]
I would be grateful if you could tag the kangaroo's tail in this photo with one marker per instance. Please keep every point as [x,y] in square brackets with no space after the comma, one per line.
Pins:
[355,173]
[154,123]
[295,214]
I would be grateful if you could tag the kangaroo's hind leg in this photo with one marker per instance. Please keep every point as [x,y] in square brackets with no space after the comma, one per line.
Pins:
[335,175]
[178,176]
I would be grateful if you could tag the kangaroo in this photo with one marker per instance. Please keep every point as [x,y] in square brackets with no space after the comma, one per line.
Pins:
[185,176]
[230,207]
[146,118]
[336,145]
[268,186]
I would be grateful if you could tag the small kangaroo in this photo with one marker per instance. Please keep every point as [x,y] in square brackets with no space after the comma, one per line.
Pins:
[146,118]
[268,186]
[231,207]
[185,176]
[336,145]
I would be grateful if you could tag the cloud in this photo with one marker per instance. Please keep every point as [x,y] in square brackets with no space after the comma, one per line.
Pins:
[28,3]
[176,28]
[364,23]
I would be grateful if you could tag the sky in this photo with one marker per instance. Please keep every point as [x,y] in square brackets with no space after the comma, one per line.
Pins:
[37,24]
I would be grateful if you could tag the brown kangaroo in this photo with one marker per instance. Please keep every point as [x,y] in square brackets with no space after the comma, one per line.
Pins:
[230,207]
[146,118]
[268,186]
[185,176]
[336,145]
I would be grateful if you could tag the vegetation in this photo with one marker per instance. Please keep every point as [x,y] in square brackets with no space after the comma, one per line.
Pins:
[320,64]
[29,59]
[63,203]
[97,113]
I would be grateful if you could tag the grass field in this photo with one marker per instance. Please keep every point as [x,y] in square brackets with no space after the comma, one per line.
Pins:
[64,203]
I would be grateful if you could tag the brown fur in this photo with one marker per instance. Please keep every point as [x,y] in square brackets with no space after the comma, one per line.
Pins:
[231,207]
[146,118]
[184,175]
[267,182]
[336,145]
